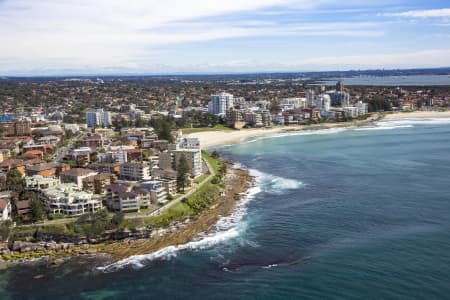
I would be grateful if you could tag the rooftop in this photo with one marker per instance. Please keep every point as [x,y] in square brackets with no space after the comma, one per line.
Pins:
[78,172]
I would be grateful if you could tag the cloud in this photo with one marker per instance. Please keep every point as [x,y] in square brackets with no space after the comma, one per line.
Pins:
[430,13]
[137,35]
[107,33]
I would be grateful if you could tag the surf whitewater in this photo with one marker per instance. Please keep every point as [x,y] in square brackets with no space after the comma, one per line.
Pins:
[227,228]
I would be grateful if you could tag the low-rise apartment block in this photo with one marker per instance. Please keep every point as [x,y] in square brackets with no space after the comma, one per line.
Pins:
[69,199]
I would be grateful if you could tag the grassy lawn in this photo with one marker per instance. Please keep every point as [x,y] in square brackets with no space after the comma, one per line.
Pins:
[182,209]
[218,127]
[215,164]
[200,178]
[176,212]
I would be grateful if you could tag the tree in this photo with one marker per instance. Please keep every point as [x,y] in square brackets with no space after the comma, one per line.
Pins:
[165,133]
[37,210]
[14,180]
[117,219]
[215,154]
[183,173]
[5,230]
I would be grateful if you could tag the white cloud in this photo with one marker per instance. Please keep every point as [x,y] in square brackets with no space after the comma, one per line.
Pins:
[133,35]
[430,13]
[105,33]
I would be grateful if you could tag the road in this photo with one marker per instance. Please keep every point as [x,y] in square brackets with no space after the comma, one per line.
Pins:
[129,216]
[63,151]
[177,200]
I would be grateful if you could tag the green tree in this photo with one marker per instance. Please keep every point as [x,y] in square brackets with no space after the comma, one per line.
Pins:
[117,219]
[37,210]
[165,133]
[14,180]
[183,173]
[215,154]
[5,230]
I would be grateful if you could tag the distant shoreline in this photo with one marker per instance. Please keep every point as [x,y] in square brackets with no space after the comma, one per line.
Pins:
[210,139]
[417,114]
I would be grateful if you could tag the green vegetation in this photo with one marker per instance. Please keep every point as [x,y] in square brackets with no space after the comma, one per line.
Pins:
[14,180]
[5,230]
[37,210]
[200,178]
[27,255]
[163,128]
[204,197]
[102,223]
[174,213]
[197,202]
[215,164]
[183,173]
[218,127]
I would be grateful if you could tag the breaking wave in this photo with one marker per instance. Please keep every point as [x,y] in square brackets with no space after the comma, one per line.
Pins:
[229,227]
[414,121]
[382,127]
[296,133]
[226,228]
[273,184]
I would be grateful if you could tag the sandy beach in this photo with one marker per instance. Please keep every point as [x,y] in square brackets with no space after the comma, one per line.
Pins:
[417,114]
[210,139]
[219,138]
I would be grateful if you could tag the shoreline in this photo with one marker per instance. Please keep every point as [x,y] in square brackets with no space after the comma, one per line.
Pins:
[211,139]
[417,114]
[237,183]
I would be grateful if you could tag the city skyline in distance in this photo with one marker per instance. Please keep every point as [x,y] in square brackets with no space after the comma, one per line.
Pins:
[192,37]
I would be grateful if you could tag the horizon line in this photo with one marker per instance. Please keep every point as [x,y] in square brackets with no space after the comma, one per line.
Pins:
[193,73]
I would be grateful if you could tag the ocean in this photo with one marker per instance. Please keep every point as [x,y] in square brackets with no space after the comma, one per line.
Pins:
[408,80]
[356,213]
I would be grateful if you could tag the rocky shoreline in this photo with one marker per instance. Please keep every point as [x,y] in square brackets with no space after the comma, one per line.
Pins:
[139,241]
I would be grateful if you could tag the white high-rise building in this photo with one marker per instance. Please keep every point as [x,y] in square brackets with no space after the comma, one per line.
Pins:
[220,103]
[310,100]
[323,101]
[193,157]
[98,118]
[288,104]
[362,107]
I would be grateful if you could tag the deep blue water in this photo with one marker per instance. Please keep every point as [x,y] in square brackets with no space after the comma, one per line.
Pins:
[338,214]
[409,80]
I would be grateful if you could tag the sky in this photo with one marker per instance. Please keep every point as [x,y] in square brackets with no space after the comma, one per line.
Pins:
[60,37]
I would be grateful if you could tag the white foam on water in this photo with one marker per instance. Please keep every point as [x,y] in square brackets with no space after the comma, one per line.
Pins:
[226,228]
[382,127]
[414,121]
[274,184]
[270,266]
[296,133]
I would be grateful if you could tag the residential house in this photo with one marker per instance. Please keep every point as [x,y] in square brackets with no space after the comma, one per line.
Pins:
[157,190]
[123,197]
[135,171]
[48,169]
[39,182]
[97,183]
[77,175]
[70,199]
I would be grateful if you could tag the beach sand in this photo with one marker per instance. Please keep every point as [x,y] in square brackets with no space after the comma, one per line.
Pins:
[417,115]
[209,139]
[218,138]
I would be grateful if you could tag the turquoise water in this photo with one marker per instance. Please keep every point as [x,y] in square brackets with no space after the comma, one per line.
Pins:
[335,214]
